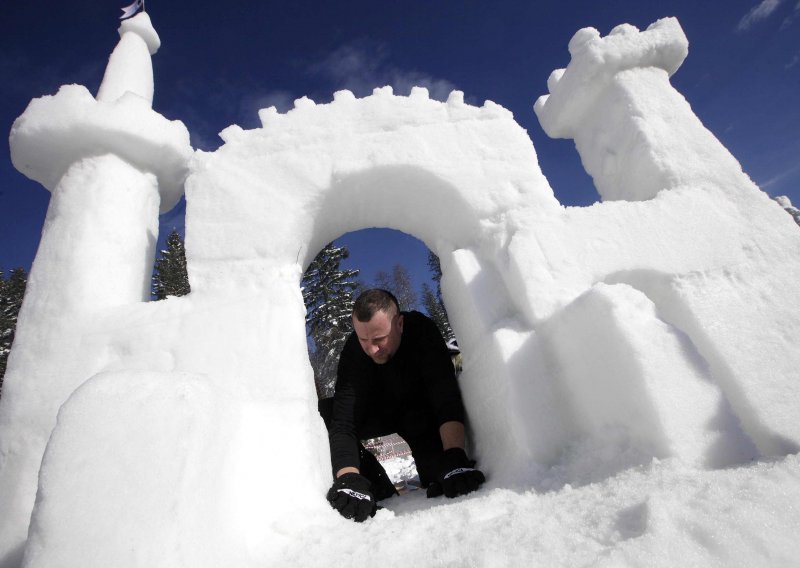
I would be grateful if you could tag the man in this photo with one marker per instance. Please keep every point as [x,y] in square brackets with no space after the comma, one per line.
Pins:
[395,375]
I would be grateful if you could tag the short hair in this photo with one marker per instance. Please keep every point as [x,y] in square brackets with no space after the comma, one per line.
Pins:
[372,301]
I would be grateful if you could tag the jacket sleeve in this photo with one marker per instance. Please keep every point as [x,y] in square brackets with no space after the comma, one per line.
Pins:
[441,386]
[347,413]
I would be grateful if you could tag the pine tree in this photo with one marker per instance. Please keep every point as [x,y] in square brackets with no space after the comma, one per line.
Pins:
[12,291]
[435,266]
[399,284]
[433,300]
[170,277]
[328,292]
[437,313]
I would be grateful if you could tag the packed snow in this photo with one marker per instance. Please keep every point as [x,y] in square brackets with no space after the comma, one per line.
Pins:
[629,368]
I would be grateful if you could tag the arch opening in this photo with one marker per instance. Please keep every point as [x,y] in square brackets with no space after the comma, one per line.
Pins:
[421,204]
[409,199]
[356,261]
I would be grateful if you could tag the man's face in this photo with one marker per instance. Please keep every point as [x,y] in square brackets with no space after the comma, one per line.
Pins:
[380,337]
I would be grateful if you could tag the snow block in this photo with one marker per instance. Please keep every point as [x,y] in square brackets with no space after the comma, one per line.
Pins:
[511,402]
[752,372]
[166,469]
[627,373]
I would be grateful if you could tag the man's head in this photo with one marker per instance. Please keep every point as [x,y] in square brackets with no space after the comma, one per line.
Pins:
[378,324]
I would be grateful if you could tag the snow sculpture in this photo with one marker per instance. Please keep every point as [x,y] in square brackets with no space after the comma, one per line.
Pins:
[649,325]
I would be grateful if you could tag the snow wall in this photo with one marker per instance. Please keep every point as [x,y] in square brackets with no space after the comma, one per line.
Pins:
[185,432]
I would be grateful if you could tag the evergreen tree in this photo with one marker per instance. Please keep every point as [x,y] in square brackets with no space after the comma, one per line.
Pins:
[12,291]
[435,266]
[170,277]
[399,284]
[433,299]
[328,292]
[437,313]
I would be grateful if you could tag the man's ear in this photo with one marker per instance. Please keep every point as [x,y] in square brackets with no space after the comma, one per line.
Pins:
[400,322]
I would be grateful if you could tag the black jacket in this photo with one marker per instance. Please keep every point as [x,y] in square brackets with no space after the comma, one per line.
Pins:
[412,394]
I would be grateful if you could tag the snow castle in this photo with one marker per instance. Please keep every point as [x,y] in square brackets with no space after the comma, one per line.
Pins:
[651,325]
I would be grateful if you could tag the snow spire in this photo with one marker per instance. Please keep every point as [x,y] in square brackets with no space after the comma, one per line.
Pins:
[130,68]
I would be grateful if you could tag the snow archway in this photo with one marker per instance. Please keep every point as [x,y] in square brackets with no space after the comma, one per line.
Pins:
[452,175]
[449,173]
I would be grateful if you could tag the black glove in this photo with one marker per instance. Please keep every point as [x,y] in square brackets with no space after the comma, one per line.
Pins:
[351,495]
[457,476]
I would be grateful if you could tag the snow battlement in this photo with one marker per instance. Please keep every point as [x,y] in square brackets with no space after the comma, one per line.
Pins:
[595,60]
[386,110]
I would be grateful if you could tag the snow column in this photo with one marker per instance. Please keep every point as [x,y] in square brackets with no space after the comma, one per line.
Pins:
[110,163]
[635,133]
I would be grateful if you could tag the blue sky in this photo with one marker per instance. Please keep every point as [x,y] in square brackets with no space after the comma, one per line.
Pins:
[220,62]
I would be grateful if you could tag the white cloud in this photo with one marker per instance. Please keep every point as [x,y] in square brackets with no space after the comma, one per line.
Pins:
[780,176]
[402,81]
[791,17]
[207,107]
[362,66]
[356,67]
[760,12]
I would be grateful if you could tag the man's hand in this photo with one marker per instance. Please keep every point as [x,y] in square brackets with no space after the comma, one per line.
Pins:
[457,476]
[351,495]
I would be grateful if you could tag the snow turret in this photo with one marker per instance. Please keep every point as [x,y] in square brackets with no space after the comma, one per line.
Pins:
[635,133]
[110,164]
[119,121]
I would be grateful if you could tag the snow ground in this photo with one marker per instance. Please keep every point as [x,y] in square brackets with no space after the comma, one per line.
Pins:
[662,514]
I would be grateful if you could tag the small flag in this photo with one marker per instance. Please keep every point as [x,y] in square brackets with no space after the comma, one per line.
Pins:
[129,11]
